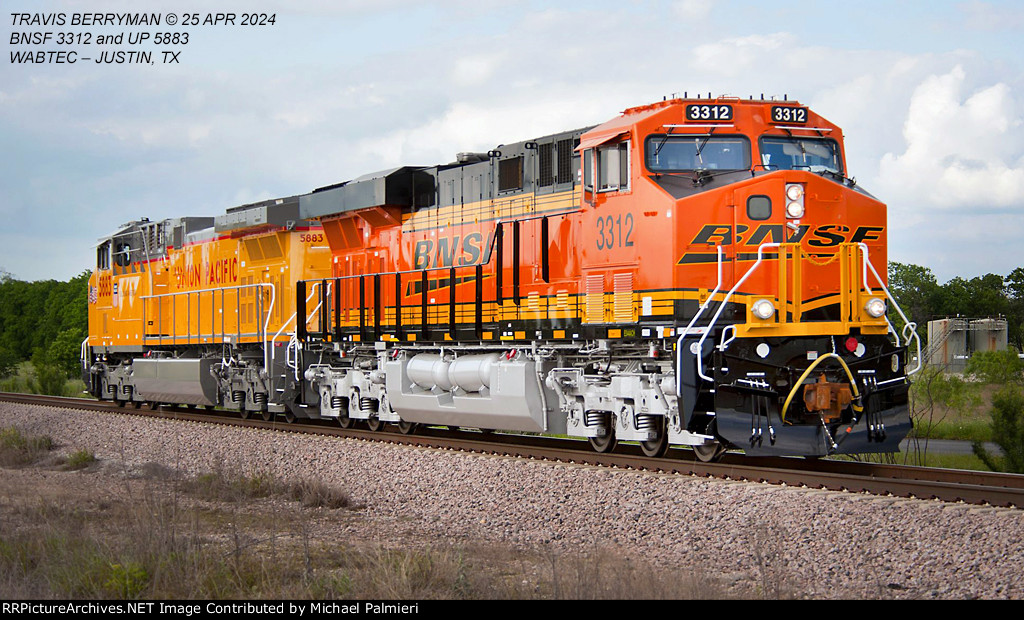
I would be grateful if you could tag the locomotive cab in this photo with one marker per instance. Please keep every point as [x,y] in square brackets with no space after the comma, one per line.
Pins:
[791,349]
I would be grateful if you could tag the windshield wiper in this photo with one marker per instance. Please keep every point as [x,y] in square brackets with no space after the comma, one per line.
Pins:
[664,141]
[837,176]
[700,147]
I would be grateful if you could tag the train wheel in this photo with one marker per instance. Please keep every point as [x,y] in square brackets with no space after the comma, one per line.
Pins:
[245,413]
[119,402]
[656,448]
[375,424]
[604,444]
[137,404]
[289,417]
[406,428]
[344,421]
[267,415]
[709,453]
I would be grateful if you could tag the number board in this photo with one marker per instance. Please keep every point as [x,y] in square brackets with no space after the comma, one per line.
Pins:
[788,114]
[708,112]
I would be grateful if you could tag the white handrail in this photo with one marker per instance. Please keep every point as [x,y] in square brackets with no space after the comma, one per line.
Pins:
[728,296]
[866,264]
[679,342]
[907,322]
[293,317]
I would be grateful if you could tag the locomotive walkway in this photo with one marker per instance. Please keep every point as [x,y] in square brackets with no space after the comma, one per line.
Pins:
[973,487]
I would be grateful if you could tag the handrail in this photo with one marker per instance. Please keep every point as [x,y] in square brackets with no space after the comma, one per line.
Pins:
[487,259]
[679,342]
[213,291]
[907,322]
[700,344]
[288,322]
[864,285]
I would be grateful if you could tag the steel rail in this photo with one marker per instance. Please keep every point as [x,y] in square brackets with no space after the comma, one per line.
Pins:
[950,485]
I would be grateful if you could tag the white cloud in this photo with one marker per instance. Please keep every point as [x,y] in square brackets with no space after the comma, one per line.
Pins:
[473,70]
[961,149]
[692,9]
[736,56]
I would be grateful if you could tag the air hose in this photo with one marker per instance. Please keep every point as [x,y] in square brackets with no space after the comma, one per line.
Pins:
[853,384]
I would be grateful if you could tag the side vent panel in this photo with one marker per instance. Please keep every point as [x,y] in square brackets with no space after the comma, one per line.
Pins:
[622,304]
[594,309]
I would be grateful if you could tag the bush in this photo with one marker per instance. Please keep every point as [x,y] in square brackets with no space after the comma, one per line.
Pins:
[8,363]
[17,449]
[1007,431]
[48,379]
[998,367]
[317,494]
[127,581]
[80,460]
[65,351]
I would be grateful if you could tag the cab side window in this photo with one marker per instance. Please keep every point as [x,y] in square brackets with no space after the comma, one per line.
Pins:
[103,256]
[613,167]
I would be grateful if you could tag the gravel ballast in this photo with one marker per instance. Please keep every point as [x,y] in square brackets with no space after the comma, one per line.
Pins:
[819,543]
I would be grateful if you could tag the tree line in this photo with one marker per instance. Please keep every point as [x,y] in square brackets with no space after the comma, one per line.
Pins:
[43,321]
[923,299]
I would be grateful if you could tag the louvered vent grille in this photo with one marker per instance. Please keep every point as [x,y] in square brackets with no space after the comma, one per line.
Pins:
[622,305]
[594,311]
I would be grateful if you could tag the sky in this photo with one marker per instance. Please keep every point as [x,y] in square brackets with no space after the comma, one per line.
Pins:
[928,94]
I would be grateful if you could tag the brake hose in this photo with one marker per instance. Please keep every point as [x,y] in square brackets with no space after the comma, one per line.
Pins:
[853,383]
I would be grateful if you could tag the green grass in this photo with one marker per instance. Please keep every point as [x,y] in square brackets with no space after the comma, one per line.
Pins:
[954,461]
[25,381]
[963,429]
[80,460]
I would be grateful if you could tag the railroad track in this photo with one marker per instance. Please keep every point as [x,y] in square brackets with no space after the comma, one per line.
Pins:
[972,487]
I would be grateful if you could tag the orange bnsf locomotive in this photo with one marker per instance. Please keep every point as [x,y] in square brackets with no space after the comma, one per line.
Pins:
[695,272]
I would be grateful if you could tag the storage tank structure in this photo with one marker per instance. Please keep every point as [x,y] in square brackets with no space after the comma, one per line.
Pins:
[952,341]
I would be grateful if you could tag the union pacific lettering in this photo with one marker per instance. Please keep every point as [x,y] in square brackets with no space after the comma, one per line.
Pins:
[224,271]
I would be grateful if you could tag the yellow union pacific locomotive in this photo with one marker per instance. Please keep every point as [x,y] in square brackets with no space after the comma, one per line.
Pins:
[694,272]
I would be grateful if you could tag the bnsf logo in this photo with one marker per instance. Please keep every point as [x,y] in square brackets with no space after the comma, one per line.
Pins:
[821,237]
[450,252]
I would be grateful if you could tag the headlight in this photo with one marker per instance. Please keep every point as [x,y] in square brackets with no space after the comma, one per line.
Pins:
[875,307]
[794,200]
[763,309]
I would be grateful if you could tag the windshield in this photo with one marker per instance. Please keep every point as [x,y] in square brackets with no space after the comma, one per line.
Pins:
[668,153]
[790,153]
